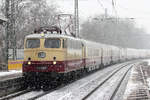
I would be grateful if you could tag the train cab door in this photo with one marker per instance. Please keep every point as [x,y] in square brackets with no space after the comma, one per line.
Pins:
[111,56]
[84,54]
[64,46]
[102,58]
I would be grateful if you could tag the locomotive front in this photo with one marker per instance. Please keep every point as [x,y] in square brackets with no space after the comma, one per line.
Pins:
[44,57]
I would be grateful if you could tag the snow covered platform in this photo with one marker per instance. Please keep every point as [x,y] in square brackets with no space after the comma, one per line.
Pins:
[10,81]
[138,83]
[6,75]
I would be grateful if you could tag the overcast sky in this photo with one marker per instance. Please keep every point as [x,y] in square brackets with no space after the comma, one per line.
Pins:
[138,9]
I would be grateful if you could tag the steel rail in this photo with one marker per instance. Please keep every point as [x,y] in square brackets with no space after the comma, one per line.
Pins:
[11,96]
[45,93]
[118,86]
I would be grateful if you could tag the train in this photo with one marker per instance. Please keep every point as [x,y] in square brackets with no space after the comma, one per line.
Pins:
[51,58]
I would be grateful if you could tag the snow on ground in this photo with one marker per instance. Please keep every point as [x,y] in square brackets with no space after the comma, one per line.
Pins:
[79,88]
[148,60]
[106,90]
[148,79]
[148,82]
[28,95]
[131,86]
[10,72]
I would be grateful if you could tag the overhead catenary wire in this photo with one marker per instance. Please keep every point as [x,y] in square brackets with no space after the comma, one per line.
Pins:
[128,11]
[112,3]
[114,7]
[101,4]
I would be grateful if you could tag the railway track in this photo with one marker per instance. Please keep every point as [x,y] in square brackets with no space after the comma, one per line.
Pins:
[81,92]
[29,94]
[108,78]
[15,94]
[119,85]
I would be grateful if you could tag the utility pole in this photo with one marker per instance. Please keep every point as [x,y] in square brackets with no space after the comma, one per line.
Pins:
[106,13]
[76,19]
[12,29]
[7,8]
[10,38]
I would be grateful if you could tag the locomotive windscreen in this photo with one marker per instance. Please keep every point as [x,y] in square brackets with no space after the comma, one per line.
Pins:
[52,43]
[33,43]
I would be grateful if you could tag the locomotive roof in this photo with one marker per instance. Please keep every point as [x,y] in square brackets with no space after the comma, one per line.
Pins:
[58,36]
[50,36]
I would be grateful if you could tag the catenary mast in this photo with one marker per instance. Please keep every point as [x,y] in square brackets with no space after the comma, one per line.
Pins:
[10,38]
[76,18]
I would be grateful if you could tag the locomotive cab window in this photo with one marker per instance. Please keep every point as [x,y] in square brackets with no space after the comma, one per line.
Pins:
[32,43]
[52,43]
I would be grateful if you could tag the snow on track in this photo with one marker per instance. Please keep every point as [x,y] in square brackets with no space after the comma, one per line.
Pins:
[137,88]
[131,86]
[105,91]
[28,95]
[79,88]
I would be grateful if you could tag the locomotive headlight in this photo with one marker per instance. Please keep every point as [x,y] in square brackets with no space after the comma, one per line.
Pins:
[42,34]
[54,62]
[41,54]
[29,63]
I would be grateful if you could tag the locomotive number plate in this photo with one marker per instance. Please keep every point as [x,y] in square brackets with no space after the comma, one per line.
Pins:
[41,68]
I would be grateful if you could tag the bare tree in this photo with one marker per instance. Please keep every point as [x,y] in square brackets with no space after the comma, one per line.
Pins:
[120,32]
[30,15]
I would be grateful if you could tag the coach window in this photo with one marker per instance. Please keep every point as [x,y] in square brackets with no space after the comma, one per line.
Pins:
[52,43]
[32,43]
